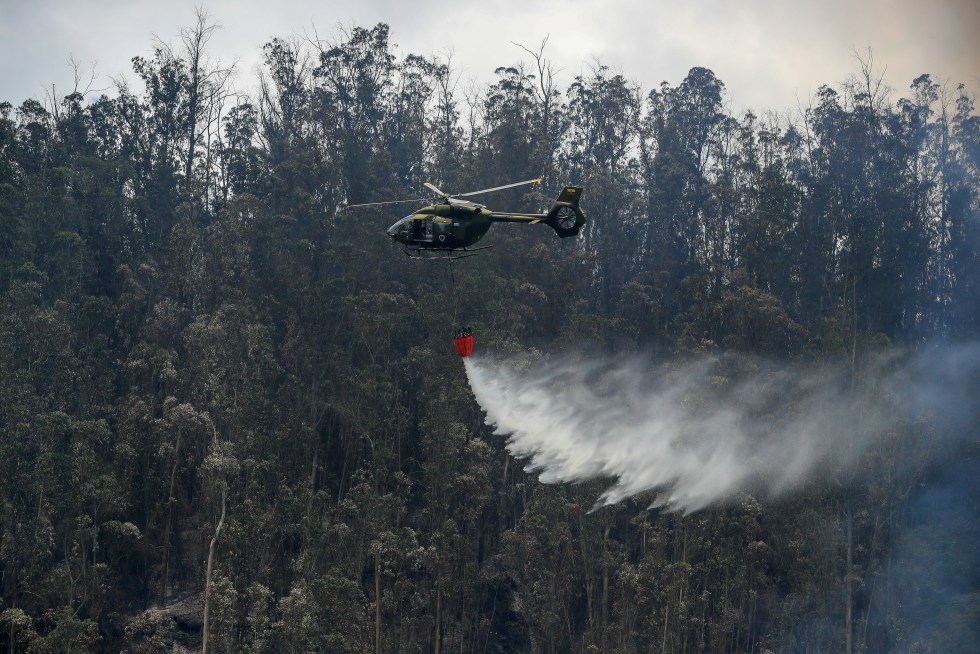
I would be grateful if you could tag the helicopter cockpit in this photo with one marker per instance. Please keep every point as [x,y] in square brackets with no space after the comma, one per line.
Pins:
[400,226]
[412,229]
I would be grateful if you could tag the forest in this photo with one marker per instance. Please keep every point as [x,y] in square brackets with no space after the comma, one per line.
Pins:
[232,418]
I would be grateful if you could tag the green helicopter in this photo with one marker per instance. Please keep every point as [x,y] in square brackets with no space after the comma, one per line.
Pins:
[452,225]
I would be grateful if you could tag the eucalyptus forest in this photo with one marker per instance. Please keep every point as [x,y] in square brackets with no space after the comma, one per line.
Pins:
[232,418]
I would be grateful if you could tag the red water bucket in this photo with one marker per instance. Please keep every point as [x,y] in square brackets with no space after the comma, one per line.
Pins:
[464,343]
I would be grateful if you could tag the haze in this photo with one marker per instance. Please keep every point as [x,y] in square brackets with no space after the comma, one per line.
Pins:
[770,54]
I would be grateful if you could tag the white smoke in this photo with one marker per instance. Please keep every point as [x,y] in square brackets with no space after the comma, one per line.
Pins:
[698,433]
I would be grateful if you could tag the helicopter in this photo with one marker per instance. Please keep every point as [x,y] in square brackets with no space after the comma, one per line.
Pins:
[452,225]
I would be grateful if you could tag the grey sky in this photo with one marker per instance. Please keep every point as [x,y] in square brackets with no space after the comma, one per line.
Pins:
[768,53]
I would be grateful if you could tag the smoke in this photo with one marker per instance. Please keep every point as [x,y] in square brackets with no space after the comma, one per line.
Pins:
[702,432]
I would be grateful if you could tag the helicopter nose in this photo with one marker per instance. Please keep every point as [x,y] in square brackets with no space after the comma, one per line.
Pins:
[398,227]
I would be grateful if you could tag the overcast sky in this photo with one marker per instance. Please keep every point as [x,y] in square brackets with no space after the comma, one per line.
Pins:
[771,54]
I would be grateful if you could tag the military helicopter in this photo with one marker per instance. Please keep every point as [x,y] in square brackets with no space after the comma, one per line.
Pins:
[452,225]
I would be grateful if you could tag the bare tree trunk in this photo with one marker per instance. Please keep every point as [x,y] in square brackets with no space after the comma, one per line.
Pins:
[169,526]
[194,42]
[206,89]
[377,601]
[849,605]
[438,614]
[603,608]
[207,578]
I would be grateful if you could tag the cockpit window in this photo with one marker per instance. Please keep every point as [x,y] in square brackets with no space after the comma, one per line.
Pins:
[397,227]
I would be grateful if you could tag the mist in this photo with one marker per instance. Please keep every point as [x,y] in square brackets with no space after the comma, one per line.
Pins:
[702,432]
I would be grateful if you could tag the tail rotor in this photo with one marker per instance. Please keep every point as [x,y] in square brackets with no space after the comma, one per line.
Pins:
[565,216]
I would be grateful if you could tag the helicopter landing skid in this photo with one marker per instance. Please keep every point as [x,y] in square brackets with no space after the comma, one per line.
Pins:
[437,255]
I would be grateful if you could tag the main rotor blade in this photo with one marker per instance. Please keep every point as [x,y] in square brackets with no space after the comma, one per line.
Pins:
[497,188]
[432,188]
[376,204]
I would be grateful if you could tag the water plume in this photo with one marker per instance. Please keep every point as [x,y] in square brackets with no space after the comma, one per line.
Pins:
[701,432]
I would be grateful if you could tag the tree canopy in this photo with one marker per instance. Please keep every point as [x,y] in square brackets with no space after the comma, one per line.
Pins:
[193,334]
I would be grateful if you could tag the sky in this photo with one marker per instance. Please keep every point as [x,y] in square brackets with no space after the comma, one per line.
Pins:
[771,54]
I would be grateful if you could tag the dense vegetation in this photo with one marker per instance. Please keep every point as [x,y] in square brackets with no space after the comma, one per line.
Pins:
[230,411]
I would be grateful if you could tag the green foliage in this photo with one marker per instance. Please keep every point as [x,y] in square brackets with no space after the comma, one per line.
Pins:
[191,335]
[147,633]
[67,632]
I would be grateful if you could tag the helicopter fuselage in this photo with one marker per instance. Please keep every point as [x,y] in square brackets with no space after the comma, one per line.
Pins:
[443,226]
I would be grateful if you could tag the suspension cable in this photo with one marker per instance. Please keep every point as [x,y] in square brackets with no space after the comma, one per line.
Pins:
[452,282]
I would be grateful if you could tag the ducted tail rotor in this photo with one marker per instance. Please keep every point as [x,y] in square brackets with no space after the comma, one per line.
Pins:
[565,216]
